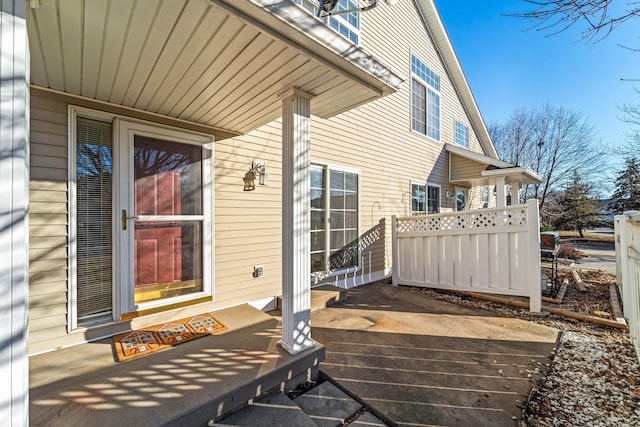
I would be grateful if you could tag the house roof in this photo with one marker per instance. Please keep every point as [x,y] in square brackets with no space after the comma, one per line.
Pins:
[218,63]
[470,168]
[435,27]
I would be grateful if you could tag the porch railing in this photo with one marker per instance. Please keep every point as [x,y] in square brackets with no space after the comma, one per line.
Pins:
[627,230]
[489,250]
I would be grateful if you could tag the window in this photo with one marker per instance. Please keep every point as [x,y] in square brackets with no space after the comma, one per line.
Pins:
[334,208]
[425,100]
[433,199]
[93,218]
[418,199]
[347,25]
[461,199]
[462,134]
[484,196]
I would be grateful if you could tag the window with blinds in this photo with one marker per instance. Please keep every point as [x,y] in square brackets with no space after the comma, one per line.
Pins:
[94,197]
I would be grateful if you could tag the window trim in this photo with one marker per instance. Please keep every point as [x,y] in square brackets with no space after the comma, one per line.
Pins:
[456,124]
[72,282]
[439,187]
[427,87]
[426,209]
[119,268]
[466,198]
[312,7]
[332,273]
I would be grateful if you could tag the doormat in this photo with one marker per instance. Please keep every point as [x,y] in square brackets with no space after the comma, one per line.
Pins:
[133,344]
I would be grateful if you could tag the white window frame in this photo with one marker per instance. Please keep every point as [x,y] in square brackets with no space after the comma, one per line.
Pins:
[461,133]
[485,197]
[122,246]
[340,21]
[439,187]
[466,199]
[328,167]
[72,300]
[411,198]
[429,90]
[126,129]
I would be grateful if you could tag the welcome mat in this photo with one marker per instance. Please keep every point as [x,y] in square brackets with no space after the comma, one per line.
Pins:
[130,345]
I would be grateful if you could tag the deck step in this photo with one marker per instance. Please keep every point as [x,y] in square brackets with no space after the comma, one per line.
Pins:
[327,405]
[323,406]
[274,409]
[323,297]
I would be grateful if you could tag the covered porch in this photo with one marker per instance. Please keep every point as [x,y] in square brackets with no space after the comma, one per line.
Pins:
[187,385]
[218,67]
[474,170]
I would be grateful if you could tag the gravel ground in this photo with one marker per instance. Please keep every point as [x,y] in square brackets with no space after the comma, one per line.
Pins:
[594,375]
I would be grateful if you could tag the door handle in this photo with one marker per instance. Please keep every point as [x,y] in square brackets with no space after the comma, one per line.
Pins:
[125,218]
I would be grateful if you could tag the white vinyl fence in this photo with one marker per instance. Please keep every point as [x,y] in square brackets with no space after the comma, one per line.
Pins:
[489,250]
[627,229]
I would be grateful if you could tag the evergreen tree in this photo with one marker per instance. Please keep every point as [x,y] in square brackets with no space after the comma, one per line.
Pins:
[579,209]
[627,194]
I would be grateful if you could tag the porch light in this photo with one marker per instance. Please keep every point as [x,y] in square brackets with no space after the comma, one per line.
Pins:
[258,169]
[326,7]
[249,181]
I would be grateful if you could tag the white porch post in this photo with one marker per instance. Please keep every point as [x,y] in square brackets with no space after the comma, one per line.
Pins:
[501,194]
[14,234]
[296,228]
[514,193]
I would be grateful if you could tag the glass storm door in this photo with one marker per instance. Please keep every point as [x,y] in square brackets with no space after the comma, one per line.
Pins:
[167,254]
[164,222]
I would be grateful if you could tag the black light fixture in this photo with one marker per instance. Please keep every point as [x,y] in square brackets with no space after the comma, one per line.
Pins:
[326,7]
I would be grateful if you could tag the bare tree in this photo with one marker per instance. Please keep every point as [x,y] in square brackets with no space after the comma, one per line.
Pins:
[553,141]
[599,18]
[631,115]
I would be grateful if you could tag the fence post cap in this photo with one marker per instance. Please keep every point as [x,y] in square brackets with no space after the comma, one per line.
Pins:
[632,215]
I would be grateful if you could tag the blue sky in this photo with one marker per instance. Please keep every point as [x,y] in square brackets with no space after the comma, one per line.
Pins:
[509,65]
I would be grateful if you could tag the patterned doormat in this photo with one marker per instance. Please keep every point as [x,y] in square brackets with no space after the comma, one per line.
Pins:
[130,345]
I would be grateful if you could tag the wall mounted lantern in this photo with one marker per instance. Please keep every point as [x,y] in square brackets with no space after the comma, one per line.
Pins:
[258,170]
[327,7]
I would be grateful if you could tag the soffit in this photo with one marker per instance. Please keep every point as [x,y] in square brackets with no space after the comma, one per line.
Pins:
[205,62]
[474,169]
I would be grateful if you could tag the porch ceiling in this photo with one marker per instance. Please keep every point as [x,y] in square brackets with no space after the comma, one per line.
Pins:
[217,63]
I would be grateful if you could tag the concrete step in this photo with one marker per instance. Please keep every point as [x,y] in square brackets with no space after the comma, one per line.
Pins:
[323,297]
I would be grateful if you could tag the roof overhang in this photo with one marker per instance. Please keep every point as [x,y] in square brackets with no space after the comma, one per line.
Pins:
[474,169]
[215,63]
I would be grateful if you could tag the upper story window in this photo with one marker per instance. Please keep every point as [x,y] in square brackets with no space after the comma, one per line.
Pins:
[425,99]
[348,24]
[462,134]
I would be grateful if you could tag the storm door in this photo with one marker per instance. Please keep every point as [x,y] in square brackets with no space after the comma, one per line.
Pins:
[164,219]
